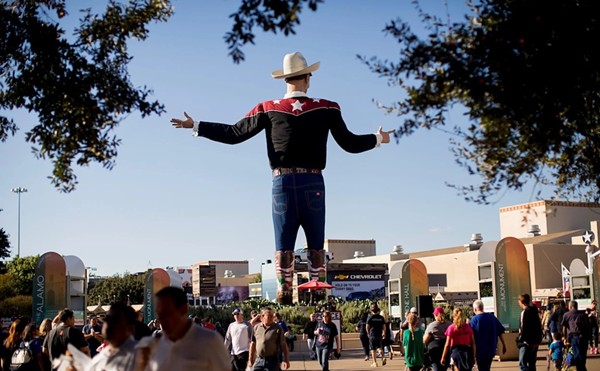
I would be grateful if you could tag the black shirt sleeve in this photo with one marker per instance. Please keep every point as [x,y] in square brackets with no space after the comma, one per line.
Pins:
[76,338]
[349,141]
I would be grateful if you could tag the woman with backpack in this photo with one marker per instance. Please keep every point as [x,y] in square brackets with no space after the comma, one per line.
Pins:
[32,345]
[11,343]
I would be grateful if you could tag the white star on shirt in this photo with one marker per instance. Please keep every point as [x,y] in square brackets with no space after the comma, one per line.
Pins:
[277,101]
[316,100]
[588,237]
[297,106]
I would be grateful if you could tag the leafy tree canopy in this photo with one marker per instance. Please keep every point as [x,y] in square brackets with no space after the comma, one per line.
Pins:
[269,15]
[4,244]
[525,72]
[117,288]
[22,271]
[528,75]
[78,86]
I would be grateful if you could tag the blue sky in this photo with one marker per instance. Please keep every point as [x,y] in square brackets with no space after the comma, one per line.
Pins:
[173,199]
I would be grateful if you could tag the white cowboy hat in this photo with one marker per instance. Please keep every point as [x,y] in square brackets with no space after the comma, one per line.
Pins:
[294,64]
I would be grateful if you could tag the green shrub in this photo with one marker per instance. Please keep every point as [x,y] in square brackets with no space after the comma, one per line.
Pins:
[17,306]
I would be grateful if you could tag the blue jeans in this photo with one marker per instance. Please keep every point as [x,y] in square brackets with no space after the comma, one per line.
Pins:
[594,338]
[298,201]
[579,346]
[266,364]
[323,357]
[527,358]
[311,352]
[484,364]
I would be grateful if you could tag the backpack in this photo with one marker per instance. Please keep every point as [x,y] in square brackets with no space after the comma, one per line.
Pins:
[22,358]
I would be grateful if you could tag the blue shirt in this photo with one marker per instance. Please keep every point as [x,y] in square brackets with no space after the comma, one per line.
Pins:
[557,350]
[486,329]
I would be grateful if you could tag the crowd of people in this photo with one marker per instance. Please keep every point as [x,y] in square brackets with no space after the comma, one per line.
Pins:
[463,344]
[263,342]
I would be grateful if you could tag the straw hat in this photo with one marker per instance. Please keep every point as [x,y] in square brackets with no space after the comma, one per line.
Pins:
[294,64]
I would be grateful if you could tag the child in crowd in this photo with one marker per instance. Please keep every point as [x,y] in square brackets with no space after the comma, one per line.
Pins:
[555,351]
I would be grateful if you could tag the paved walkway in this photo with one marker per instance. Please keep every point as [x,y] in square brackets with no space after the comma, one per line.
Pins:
[353,359]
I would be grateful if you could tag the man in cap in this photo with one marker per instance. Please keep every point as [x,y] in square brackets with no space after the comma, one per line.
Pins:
[296,129]
[404,324]
[237,340]
[487,329]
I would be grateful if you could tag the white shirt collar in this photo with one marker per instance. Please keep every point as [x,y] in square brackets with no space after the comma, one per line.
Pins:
[295,94]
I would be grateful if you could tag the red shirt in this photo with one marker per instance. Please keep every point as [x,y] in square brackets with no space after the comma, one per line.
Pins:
[209,326]
[459,336]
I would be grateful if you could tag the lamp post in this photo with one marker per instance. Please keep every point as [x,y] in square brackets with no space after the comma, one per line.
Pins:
[18,191]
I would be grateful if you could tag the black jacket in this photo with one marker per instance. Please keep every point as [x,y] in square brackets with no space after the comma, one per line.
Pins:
[296,131]
[530,330]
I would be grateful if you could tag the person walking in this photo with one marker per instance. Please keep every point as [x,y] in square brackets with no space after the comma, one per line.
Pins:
[55,344]
[92,333]
[414,347]
[576,332]
[555,351]
[32,342]
[237,340]
[460,343]
[119,353]
[296,128]
[435,340]
[268,342]
[387,340]
[593,318]
[530,334]
[286,331]
[361,328]
[376,330]
[557,316]
[309,335]
[487,330]
[325,334]
[11,343]
[177,346]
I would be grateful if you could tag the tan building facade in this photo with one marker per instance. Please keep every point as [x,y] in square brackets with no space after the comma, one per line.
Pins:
[558,241]
[347,249]
[550,216]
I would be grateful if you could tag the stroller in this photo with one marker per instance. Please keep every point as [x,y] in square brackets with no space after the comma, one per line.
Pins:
[568,361]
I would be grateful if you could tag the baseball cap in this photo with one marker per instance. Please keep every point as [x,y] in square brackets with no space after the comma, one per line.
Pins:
[236,311]
[438,310]
[413,310]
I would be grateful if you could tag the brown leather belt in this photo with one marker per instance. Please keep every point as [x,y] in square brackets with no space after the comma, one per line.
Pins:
[294,170]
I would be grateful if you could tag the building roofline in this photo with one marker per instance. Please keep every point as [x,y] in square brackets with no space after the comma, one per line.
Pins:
[209,262]
[530,205]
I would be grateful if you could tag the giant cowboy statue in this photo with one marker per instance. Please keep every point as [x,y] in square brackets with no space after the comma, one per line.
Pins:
[296,129]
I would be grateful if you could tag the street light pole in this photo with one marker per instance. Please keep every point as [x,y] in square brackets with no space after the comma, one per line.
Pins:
[18,191]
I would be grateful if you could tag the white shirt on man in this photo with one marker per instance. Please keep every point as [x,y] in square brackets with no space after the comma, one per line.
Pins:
[119,359]
[198,349]
[238,336]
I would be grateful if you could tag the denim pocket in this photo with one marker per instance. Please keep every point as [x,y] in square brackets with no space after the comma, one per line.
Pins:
[280,203]
[315,200]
